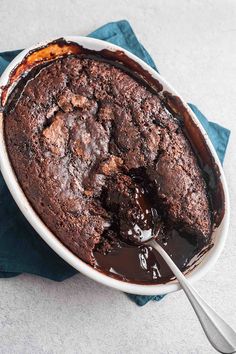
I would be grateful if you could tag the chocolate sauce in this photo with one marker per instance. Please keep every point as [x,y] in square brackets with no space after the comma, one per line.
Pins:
[142,264]
[134,214]
[138,218]
[145,220]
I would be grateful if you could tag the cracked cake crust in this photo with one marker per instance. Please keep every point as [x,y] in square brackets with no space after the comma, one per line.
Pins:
[80,124]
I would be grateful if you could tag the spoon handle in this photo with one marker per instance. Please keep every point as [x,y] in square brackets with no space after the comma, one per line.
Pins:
[219,333]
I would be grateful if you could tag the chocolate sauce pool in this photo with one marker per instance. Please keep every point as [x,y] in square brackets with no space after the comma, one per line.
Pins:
[142,264]
[127,261]
[133,261]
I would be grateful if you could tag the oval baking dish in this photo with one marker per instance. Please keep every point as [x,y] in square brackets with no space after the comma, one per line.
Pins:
[49,50]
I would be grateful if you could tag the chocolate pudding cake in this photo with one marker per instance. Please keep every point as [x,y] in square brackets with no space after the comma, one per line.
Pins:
[102,160]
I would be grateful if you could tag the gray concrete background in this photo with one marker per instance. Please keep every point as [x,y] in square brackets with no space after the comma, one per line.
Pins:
[194,46]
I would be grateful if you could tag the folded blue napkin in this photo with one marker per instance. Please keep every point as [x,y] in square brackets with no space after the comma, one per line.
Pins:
[21,249]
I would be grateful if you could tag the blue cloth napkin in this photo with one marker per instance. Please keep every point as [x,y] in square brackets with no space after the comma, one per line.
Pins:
[21,249]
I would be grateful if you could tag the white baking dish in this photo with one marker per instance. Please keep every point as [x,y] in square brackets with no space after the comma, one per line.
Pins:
[219,235]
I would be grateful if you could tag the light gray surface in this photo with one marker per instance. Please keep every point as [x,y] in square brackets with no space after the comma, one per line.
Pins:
[194,46]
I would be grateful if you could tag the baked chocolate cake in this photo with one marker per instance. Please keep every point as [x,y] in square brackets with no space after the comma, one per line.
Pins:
[101,159]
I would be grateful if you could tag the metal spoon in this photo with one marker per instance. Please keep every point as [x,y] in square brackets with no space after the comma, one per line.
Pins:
[219,333]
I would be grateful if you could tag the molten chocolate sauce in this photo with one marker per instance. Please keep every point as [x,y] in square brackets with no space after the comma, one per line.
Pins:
[142,264]
[133,261]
